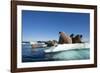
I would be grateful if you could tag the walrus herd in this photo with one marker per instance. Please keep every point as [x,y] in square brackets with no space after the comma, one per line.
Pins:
[66,39]
[63,39]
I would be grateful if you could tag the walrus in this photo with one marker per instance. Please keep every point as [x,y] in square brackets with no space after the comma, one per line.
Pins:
[64,38]
[73,38]
[76,39]
[51,43]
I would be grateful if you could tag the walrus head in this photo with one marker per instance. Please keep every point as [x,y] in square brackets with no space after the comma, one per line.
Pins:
[72,35]
[60,32]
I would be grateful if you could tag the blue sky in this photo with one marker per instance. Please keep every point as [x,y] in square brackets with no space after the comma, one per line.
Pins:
[44,25]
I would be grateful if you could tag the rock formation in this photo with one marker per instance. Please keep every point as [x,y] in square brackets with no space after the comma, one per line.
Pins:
[64,38]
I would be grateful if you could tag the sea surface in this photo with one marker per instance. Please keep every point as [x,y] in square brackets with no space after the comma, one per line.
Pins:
[38,54]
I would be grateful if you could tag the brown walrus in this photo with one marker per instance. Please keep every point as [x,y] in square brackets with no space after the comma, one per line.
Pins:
[76,39]
[64,38]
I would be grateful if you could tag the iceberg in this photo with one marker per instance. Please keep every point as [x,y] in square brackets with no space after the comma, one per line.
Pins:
[63,47]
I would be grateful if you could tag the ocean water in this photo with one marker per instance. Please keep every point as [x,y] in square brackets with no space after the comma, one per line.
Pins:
[38,54]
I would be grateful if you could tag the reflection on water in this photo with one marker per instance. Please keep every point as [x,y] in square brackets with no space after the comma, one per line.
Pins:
[38,54]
